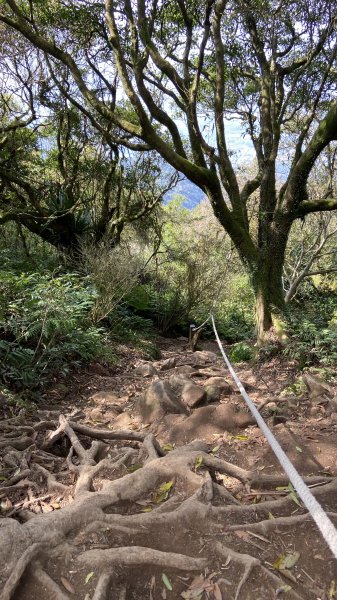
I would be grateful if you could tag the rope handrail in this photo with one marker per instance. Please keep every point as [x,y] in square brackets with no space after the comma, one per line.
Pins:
[324,524]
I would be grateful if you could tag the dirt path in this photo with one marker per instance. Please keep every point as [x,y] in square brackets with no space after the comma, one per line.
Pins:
[115,498]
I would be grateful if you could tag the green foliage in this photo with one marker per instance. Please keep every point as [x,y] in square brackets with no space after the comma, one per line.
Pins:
[134,331]
[235,310]
[195,272]
[45,327]
[313,336]
[295,389]
[241,352]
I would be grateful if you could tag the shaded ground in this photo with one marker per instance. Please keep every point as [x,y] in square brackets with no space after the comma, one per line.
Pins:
[98,504]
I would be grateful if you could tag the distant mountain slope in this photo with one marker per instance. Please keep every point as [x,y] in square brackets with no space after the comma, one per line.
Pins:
[191,192]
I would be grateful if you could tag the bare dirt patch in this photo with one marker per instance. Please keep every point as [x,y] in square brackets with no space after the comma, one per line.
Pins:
[97,504]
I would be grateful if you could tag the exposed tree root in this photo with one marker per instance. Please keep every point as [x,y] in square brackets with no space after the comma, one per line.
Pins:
[137,556]
[102,588]
[249,563]
[118,505]
[21,565]
[46,581]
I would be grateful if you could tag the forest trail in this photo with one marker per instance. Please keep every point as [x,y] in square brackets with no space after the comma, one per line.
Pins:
[116,499]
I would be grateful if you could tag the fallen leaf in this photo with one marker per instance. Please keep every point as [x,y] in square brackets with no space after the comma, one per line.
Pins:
[332,589]
[215,449]
[152,586]
[243,535]
[134,468]
[165,487]
[88,577]
[291,491]
[55,505]
[286,561]
[299,449]
[163,491]
[294,498]
[195,590]
[283,589]
[6,505]
[217,592]
[196,594]
[67,585]
[198,462]
[167,582]
[168,447]
[286,573]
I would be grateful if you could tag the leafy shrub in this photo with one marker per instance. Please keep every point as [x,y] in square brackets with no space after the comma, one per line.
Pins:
[313,339]
[45,327]
[241,352]
[114,272]
[133,330]
[236,310]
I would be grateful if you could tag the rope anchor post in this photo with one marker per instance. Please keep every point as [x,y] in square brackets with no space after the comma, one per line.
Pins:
[194,334]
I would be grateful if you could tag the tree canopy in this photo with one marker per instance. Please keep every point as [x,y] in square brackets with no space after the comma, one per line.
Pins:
[168,76]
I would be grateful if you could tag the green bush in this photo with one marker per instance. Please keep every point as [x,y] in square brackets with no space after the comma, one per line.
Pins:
[235,313]
[45,327]
[241,352]
[313,338]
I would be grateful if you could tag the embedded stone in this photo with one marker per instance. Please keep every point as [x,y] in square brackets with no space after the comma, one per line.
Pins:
[213,393]
[146,369]
[193,395]
[219,382]
[157,400]
[203,357]
[167,364]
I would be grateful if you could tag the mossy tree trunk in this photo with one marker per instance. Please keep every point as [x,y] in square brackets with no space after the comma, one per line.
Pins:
[266,79]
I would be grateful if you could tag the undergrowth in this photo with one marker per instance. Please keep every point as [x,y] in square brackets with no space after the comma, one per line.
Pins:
[311,336]
[47,329]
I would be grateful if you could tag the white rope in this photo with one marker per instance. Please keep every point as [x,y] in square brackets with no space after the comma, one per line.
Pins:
[202,324]
[321,519]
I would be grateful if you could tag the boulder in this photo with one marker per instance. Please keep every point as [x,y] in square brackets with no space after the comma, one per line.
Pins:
[185,370]
[319,390]
[219,382]
[146,369]
[213,393]
[193,395]
[122,421]
[178,381]
[203,357]
[167,364]
[104,397]
[105,400]
[96,414]
[203,423]
[157,400]
[98,369]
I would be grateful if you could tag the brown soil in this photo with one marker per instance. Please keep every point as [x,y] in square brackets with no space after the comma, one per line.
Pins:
[80,519]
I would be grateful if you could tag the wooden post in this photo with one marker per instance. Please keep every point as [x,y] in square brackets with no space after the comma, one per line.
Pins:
[194,337]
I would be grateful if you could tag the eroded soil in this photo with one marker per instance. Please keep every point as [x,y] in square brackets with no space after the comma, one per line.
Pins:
[100,505]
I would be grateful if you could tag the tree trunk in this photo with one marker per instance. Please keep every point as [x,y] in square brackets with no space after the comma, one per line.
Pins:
[269,296]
